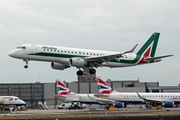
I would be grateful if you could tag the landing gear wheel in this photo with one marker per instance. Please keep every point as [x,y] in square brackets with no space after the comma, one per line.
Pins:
[92,71]
[79,73]
[26,66]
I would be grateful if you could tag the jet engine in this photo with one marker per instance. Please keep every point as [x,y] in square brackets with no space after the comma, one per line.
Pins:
[168,104]
[58,66]
[77,62]
[118,104]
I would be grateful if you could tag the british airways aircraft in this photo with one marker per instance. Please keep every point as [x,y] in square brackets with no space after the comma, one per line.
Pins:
[64,57]
[151,99]
[64,92]
[11,100]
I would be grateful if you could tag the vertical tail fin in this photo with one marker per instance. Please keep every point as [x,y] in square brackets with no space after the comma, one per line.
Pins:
[149,48]
[62,89]
[103,87]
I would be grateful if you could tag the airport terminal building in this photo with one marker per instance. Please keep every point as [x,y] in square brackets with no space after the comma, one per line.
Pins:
[33,93]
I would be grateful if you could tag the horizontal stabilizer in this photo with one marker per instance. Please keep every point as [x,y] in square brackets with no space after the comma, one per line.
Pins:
[156,58]
[58,96]
[101,96]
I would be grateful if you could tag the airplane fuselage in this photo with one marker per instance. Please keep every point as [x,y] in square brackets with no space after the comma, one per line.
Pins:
[62,55]
[11,100]
[133,98]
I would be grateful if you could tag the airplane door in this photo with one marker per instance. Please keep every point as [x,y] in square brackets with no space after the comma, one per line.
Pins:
[120,97]
[34,48]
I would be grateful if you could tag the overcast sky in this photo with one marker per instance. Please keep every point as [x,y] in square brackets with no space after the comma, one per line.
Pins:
[111,25]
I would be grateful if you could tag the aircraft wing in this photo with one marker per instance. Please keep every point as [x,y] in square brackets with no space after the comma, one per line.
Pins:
[101,100]
[106,58]
[156,58]
[150,100]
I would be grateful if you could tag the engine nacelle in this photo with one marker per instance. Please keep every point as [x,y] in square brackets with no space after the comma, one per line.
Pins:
[77,62]
[58,66]
[168,104]
[118,104]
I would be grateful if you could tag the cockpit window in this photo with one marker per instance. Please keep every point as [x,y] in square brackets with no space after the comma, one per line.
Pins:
[21,47]
[16,98]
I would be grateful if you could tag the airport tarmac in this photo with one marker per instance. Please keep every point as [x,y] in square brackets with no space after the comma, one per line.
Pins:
[84,111]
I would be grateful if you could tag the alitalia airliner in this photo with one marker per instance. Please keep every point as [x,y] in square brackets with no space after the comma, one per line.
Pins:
[64,57]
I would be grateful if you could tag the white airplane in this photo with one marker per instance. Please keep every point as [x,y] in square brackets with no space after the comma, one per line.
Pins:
[151,99]
[64,92]
[11,100]
[64,57]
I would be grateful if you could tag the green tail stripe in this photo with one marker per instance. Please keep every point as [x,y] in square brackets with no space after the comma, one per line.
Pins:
[154,37]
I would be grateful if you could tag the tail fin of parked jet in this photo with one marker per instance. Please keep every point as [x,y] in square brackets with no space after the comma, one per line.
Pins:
[103,87]
[62,89]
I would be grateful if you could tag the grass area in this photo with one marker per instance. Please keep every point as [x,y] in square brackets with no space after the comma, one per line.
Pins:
[88,115]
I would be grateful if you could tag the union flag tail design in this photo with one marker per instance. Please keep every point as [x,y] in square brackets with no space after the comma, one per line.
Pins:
[62,89]
[103,87]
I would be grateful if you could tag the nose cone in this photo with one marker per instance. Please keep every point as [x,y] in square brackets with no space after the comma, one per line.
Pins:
[11,54]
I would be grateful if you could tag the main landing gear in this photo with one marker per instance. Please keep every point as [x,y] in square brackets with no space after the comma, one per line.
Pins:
[26,66]
[91,71]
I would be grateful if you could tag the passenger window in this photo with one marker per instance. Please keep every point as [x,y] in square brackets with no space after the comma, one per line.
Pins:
[79,52]
[58,50]
[61,50]
[68,51]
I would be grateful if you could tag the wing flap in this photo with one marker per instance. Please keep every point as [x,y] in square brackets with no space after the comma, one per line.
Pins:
[106,58]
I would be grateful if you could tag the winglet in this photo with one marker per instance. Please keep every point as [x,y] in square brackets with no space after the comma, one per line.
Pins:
[140,96]
[132,50]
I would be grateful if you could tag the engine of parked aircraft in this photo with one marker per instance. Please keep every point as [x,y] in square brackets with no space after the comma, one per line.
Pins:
[168,104]
[118,104]
[58,66]
[77,62]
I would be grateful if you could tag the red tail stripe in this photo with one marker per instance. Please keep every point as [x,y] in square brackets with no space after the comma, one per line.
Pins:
[106,92]
[64,93]
[101,81]
[145,55]
[61,84]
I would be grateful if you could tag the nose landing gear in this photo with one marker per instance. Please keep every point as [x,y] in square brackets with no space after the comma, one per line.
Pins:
[26,66]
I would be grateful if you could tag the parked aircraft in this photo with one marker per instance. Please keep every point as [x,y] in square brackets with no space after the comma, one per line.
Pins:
[151,99]
[11,100]
[64,57]
[64,92]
